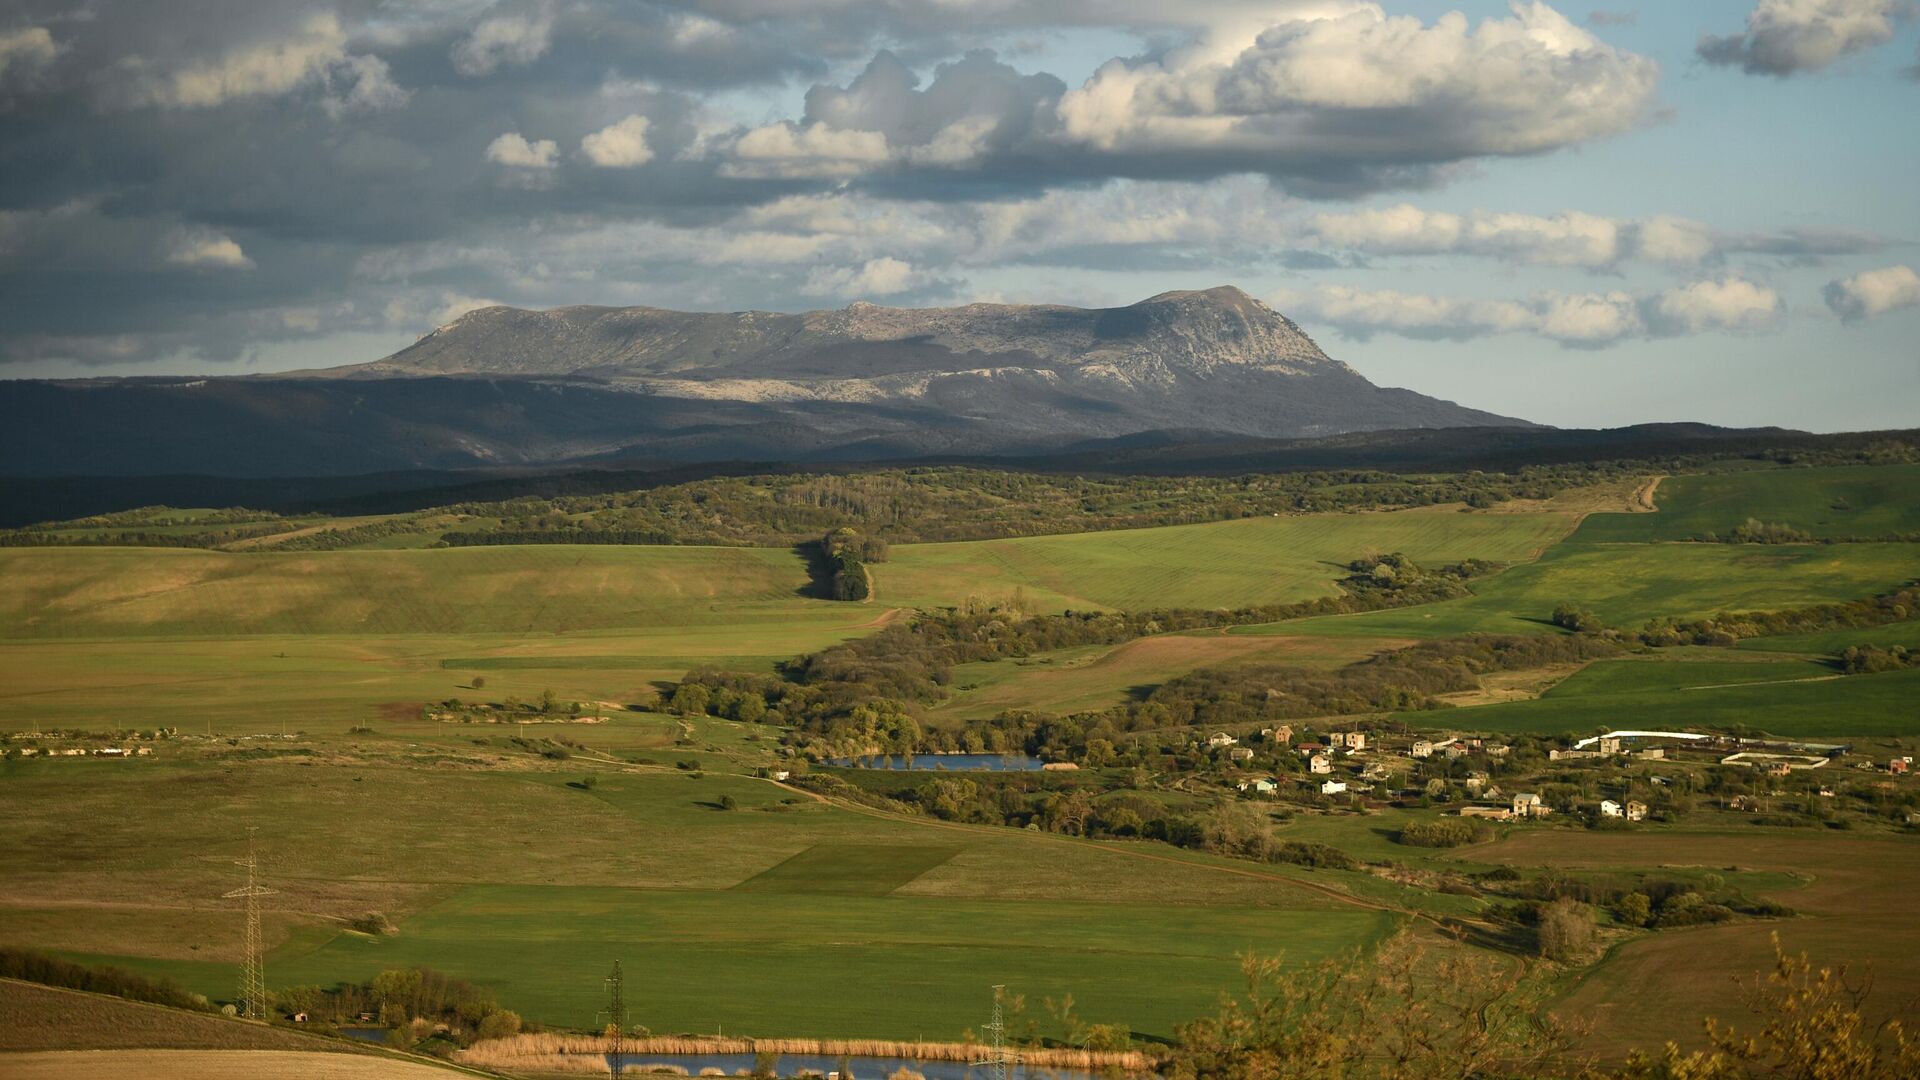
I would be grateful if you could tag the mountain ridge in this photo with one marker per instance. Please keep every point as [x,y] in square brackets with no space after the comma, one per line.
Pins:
[506,386]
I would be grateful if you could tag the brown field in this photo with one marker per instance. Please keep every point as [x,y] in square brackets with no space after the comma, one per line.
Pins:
[214,1065]
[1855,910]
[34,1017]
[1085,680]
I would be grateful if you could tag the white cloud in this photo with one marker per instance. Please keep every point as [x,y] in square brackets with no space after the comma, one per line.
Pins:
[513,149]
[1335,98]
[27,47]
[1576,320]
[1788,36]
[884,276]
[503,41]
[1569,238]
[426,310]
[198,247]
[620,145]
[316,55]
[1358,85]
[1874,293]
[816,151]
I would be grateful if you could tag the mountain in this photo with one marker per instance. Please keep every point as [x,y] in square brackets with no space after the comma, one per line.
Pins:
[504,386]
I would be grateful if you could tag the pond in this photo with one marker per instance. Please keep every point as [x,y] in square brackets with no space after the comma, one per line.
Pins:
[944,762]
[863,1068]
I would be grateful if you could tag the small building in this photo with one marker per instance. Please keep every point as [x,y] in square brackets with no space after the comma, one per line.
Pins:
[1654,753]
[1494,813]
[1609,808]
[1219,739]
[1498,749]
[1332,787]
[781,775]
[1422,748]
[1352,740]
[1281,734]
[1476,782]
[1529,804]
[1899,766]
[1240,753]
[1636,810]
[1320,764]
[1609,744]
[1266,785]
[1308,749]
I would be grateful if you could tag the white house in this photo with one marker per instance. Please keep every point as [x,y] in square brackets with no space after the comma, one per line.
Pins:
[1320,764]
[1219,739]
[1609,808]
[1332,787]
[1529,804]
[1422,748]
[1265,786]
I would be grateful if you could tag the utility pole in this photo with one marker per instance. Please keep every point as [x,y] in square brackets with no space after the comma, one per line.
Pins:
[616,1015]
[253,971]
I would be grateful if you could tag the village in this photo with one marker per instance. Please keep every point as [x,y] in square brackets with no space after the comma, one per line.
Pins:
[1615,778]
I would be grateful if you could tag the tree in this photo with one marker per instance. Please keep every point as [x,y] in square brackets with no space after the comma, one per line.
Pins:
[1566,930]
[499,1025]
[1634,909]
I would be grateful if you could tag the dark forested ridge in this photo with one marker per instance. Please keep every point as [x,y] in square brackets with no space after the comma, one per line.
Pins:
[1460,452]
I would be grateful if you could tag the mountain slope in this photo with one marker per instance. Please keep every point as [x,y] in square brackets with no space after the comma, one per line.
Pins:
[502,386]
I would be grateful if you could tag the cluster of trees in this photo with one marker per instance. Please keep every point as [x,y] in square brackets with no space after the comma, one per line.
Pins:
[407,1001]
[205,538]
[1444,833]
[509,536]
[865,687]
[1870,659]
[1726,628]
[843,557]
[34,967]
[1755,531]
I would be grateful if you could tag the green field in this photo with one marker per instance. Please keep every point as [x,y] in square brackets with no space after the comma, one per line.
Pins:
[1850,501]
[1857,706]
[1629,585]
[529,882]
[1227,564]
[169,592]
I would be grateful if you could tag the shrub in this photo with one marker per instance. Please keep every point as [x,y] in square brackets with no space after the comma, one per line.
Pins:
[1439,834]
[499,1025]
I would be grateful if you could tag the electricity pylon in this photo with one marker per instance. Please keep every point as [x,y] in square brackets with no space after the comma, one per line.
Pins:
[616,1019]
[253,972]
[1000,1063]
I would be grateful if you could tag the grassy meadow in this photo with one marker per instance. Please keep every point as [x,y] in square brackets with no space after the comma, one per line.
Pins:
[1833,502]
[1220,565]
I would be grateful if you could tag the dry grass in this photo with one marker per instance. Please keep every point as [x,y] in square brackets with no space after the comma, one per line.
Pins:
[34,1017]
[212,1065]
[548,1052]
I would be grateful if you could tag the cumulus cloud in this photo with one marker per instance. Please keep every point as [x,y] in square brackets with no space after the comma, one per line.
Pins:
[884,276]
[499,41]
[1569,238]
[1575,320]
[315,55]
[815,151]
[26,48]
[1785,37]
[619,145]
[1337,99]
[205,248]
[513,149]
[1874,293]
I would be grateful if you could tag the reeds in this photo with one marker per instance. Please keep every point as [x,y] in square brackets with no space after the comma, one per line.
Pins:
[553,1052]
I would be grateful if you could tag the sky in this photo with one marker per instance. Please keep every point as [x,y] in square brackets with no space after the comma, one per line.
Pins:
[1582,216]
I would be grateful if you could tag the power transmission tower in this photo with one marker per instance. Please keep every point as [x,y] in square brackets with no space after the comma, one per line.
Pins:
[616,1015]
[1000,1062]
[253,973]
